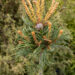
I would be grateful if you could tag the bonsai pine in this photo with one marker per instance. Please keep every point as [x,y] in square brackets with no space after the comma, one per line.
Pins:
[42,42]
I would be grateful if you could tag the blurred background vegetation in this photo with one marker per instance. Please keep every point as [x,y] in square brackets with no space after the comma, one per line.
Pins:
[11,20]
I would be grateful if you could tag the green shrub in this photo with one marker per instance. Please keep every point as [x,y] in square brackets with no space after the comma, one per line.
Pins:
[27,58]
[68,15]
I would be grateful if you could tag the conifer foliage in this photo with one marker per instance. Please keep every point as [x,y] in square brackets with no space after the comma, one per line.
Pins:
[42,42]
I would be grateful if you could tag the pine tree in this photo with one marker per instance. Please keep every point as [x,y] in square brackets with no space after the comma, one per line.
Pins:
[43,40]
